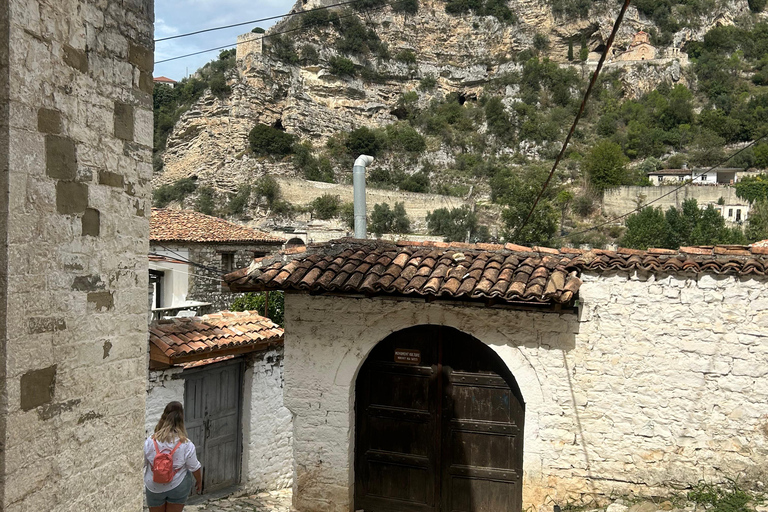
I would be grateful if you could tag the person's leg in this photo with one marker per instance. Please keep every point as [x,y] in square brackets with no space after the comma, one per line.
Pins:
[161,508]
[174,507]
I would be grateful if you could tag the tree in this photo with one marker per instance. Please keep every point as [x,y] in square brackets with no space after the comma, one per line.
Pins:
[605,165]
[205,201]
[753,188]
[362,141]
[757,225]
[456,225]
[268,188]
[254,301]
[326,206]
[268,141]
[389,220]
[647,228]
[563,200]
[517,193]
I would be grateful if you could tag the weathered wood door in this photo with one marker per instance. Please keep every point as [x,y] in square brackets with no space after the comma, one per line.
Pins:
[439,426]
[212,418]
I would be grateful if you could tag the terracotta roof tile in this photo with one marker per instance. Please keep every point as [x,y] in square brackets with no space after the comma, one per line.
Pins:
[484,271]
[209,334]
[166,225]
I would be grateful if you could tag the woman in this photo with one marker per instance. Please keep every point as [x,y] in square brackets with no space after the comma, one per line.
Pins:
[169,434]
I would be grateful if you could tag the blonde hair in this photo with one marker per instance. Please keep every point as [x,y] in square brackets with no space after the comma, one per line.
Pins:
[171,424]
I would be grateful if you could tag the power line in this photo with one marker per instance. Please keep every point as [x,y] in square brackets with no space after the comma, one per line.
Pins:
[286,15]
[267,36]
[187,260]
[578,114]
[686,183]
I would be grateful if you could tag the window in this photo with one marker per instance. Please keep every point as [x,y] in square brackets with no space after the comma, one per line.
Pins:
[703,177]
[738,215]
[227,262]
[730,212]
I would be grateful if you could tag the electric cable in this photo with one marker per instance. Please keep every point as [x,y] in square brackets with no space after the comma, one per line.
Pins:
[684,184]
[187,260]
[270,18]
[583,105]
[267,36]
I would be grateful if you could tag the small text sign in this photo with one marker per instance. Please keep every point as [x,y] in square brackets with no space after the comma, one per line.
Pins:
[407,356]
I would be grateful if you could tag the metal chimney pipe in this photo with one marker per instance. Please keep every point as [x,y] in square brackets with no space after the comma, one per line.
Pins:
[358,184]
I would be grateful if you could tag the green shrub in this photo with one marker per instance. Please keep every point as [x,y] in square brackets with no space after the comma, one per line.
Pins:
[326,206]
[177,191]
[389,220]
[456,225]
[403,137]
[258,30]
[417,182]
[495,8]
[362,141]
[756,5]
[347,215]
[406,56]
[309,55]
[356,39]
[268,141]
[316,18]
[427,82]
[282,48]
[255,301]
[206,201]
[406,6]
[268,188]
[218,85]
[238,202]
[341,66]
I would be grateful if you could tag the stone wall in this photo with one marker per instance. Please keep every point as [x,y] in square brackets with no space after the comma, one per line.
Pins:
[76,151]
[267,457]
[621,200]
[642,391]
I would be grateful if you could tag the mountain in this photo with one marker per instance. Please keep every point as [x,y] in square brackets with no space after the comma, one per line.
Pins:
[469,98]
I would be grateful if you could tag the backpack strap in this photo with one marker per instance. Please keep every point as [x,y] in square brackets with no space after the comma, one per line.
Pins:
[175,448]
[157,448]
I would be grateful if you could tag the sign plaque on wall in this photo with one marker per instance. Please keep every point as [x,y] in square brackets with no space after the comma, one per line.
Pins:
[407,356]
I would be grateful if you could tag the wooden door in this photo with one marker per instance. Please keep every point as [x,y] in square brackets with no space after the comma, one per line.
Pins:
[212,418]
[439,426]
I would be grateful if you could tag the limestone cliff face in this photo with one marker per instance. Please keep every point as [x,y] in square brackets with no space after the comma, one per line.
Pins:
[462,53]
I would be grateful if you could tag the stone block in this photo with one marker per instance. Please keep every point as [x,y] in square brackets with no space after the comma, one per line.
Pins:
[75,58]
[48,121]
[123,121]
[71,197]
[103,301]
[60,157]
[141,57]
[87,283]
[111,179]
[39,325]
[37,387]
[91,222]
[146,82]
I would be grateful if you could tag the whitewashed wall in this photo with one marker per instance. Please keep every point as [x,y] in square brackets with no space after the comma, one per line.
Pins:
[656,382]
[267,459]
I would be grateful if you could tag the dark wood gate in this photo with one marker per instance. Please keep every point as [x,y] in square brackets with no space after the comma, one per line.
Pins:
[212,418]
[439,426]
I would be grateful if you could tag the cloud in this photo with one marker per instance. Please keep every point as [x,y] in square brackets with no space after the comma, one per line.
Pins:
[174,17]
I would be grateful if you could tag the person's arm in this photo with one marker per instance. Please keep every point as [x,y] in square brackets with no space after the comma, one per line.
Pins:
[193,465]
[198,474]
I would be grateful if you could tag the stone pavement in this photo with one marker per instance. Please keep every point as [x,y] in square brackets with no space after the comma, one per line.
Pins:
[268,501]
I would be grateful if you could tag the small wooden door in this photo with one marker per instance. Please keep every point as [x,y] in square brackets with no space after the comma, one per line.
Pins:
[212,418]
[439,426]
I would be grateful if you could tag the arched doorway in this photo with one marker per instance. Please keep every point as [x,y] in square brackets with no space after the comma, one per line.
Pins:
[439,426]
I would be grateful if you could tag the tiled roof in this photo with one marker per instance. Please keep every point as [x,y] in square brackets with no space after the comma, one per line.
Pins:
[164,79]
[166,225]
[192,338]
[501,273]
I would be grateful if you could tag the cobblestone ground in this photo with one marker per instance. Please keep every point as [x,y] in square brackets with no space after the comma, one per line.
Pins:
[270,501]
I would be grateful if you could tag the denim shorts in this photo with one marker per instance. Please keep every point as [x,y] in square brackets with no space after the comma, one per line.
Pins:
[176,495]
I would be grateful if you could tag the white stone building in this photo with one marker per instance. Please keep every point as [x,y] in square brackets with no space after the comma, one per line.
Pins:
[459,377]
[227,370]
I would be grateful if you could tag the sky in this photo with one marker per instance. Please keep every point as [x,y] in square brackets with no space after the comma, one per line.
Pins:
[180,16]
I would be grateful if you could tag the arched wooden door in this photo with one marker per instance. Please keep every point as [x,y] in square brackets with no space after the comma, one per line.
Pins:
[439,426]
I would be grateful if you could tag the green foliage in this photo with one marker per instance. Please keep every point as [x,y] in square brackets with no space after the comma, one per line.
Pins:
[406,56]
[753,188]
[403,137]
[389,220]
[517,192]
[757,224]
[570,8]
[427,83]
[206,201]
[456,225]
[341,66]
[605,165]
[309,55]
[495,8]
[268,141]
[316,18]
[238,202]
[347,215]
[583,54]
[267,188]
[721,498]
[756,5]
[254,301]
[689,226]
[315,169]
[406,6]
[258,30]
[356,39]
[282,48]
[417,182]
[761,155]
[540,42]
[497,119]
[326,206]
[177,191]
[362,141]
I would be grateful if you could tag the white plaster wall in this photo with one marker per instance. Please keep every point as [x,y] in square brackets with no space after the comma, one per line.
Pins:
[163,386]
[267,424]
[176,277]
[643,390]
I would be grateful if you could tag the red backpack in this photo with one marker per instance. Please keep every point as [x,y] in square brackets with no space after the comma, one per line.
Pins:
[162,467]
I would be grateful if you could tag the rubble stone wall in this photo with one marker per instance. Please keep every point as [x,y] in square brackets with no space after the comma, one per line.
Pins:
[76,136]
[658,381]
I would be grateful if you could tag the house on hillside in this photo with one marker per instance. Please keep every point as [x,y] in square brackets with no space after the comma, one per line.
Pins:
[699,176]
[639,49]
[435,376]
[164,80]
[189,254]
[226,368]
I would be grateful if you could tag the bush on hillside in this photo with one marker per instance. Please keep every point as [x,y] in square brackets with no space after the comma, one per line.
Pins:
[268,141]
[177,191]
[326,206]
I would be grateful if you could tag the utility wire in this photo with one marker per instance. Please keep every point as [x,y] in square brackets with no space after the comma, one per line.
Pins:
[684,184]
[222,27]
[578,114]
[179,262]
[187,260]
[267,36]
